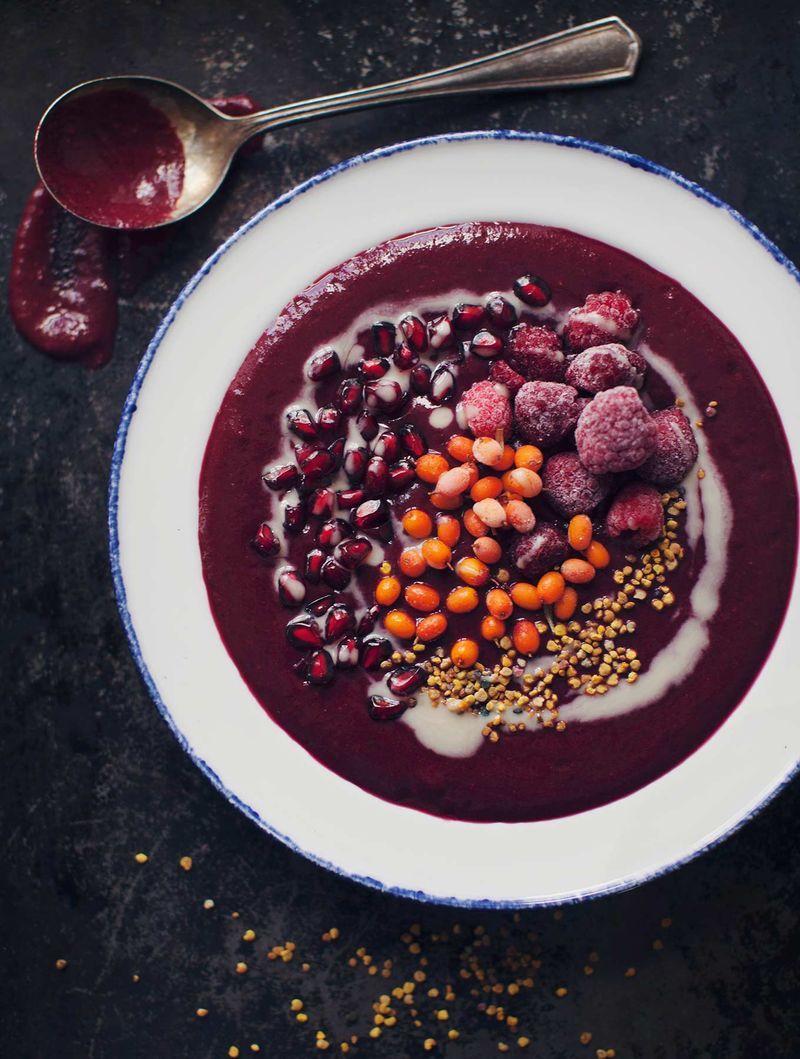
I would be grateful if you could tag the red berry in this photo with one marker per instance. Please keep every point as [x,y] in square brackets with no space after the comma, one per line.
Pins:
[535,353]
[603,367]
[545,412]
[501,372]
[606,317]
[535,553]
[676,449]
[485,408]
[615,432]
[636,514]
[570,488]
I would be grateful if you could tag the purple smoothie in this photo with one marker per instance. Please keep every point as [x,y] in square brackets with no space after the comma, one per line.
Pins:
[541,774]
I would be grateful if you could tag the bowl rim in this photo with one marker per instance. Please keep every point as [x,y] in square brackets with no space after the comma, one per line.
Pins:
[634,160]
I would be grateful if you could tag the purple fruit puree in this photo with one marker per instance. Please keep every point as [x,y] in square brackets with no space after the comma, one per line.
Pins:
[540,774]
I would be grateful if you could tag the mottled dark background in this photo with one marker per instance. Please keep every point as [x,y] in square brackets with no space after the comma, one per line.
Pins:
[90,773]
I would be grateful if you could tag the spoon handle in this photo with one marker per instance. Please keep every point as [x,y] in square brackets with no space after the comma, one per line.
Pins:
[606,50]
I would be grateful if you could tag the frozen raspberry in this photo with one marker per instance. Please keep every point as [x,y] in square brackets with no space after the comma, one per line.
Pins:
[570,488]
[502,372]
[636,514]
[606,317]
[602,367]
[545,412]
[535,553]
[535,352]
[485,409]
[676,448]
[615,431]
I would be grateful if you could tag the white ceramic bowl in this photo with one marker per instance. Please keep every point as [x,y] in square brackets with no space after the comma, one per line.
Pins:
[671,224]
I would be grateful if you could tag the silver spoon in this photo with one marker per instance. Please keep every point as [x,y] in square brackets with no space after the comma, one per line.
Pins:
[606,50]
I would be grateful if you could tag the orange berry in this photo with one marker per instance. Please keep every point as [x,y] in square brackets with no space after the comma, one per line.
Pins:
[492,628]
[567,605]
[462,600]
[431,467]
[529,456]
[473,525]
[526,595]
[579,532]
[412,562]
[445,503]
[487,549]
[522,481]
[487,451]
[597,555]
[448,529]
[460,448]
[421,596]
[400,624]
[525,636]
[486,488]
[499,603]
[436,553]
[520,516]
[417,523]
[464,653]
[507,459]
[431,627]
[577,571]
[474,474]
[473,571]
[551,587]
[387,591]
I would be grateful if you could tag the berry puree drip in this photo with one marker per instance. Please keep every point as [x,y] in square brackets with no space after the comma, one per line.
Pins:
[66,275]
[493,503]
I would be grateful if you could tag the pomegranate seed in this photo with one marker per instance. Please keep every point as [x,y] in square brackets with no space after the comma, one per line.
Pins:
[336,449]
[414,333]
[323,364]
[466,316]
[500,310]
[486,345]
[333,532]
[329,418]
[321,503]
[321,606]
[291,590]
[338,621]
[355,464]
[279,478]
[265,542]
[314,561]
[382,708]
[368,621]
[302,450]
[371,513]
[351,553]
[376,480]
[334,574]
[413,441]
[318,465]
[405,357]
[294,517]
[320,668]
[401,476]
[346,653]
[368,425]
[348,397]
[459,354]
[385,395]
[348,498]
[443,385]
[388,446]
[420,379]
[373,651]
[373,368]
[383,334]
[406,679]
[304,633]
[301,423]
[440,332]
[532,290]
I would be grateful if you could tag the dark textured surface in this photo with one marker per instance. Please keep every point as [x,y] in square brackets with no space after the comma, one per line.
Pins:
[91,773]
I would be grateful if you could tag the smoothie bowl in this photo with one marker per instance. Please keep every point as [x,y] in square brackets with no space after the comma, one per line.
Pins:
[473,577]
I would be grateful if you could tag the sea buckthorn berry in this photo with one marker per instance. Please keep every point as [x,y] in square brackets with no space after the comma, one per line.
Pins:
[487,451]
[525,482]
[519,516]
[492,628]
[499,603]
[436,553]
[507,459]
[431,467]
[459,447]
[491,512]
[525,636]
[577,571]
[597,554]
[551,587]
[420,596]
[567,605]
[529,456]
[445,503]
[448,529]
[579,532]
[431,627]
[454,481]
[412,562]
[400,624]
[464,653]
[417,523]
[462,600]
[526,595]
[486,488]
[487,549]
[473,571]
[387,591]
[473,525]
